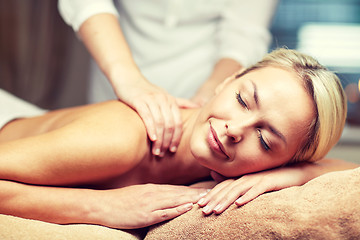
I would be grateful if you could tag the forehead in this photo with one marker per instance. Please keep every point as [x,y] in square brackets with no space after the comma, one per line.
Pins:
[276,84]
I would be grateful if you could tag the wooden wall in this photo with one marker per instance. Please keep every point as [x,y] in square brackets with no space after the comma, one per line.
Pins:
[41,59]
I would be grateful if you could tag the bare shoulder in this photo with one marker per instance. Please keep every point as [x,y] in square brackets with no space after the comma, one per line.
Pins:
[115,109]
[118,114]
[120,123]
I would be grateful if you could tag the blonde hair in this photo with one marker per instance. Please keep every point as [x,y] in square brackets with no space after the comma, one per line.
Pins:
[327,93]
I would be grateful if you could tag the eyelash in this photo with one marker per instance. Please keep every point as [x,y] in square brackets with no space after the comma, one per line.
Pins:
[263,143]
[241,101]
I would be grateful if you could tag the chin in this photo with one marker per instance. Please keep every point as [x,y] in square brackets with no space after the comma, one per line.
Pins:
[199,153]
[206,164]
[200,150]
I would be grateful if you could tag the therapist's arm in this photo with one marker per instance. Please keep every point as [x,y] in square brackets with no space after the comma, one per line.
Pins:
[224,68]
[243,38]
[103,37]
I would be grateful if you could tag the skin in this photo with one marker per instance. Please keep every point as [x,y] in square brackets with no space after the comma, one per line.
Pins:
[103,37]
[105,146]
[238,122]
[73,147]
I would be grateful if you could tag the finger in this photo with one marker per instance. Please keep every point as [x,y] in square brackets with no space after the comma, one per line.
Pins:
[227,199]
[144,112]
[206,199]
[166,214]
[179,191]
[159,127]
[252,193]
[222,200]
[228,192]
[168,197]
[177,128]
[168,122]
[186,103]
[213,193]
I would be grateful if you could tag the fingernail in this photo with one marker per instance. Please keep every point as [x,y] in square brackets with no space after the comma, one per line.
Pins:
[206,210]
[173,149]
[188,206]
[201,201]
[239,202]
[153,138]
[203,194]
[217,208]
[157,151]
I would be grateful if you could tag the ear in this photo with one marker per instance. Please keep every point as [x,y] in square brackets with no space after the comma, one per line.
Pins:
[227,80]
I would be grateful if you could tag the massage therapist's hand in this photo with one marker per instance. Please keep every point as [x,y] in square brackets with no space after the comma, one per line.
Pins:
[250,186]
[139,206]
[159,111]
[103,37]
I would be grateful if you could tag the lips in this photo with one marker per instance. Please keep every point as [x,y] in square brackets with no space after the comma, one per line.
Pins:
[215,143]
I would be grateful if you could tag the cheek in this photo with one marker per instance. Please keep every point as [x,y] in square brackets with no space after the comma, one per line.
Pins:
[244,165]
[221,106]
[249,160]
[256,163]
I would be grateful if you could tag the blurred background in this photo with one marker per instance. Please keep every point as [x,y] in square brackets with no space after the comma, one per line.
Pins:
[42,61]
[328,30]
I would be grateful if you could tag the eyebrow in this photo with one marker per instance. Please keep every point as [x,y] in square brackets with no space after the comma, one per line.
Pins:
[257,102]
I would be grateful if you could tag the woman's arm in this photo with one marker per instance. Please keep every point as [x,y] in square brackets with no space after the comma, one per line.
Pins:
[130,207]
[73,146]
[78,145]
[250,186]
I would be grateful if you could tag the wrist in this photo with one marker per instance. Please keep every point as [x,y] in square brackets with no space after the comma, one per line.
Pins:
[90,209]
[309,170]
[122,75]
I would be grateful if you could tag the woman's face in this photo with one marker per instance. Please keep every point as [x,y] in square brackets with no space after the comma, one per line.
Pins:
[255,122]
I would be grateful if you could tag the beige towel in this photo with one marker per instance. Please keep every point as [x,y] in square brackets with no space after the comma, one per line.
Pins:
[327,207]
[14,228]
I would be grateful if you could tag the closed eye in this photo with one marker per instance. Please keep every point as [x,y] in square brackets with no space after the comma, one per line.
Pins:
[263,143]
[241,101]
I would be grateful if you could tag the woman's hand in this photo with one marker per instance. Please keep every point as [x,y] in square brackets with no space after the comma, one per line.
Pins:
[159,111]
[250,186]
[130,207]
[139,206]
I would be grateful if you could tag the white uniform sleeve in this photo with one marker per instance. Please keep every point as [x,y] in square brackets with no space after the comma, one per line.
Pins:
[12,108]
[76,12]
[244,30]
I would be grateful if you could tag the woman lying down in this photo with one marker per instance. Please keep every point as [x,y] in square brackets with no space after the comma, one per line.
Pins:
[267,128]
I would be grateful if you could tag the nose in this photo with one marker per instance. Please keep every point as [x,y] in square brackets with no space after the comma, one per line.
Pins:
[236,130]
[234,134]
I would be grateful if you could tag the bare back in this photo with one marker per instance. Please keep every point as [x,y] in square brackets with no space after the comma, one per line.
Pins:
[72,146]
